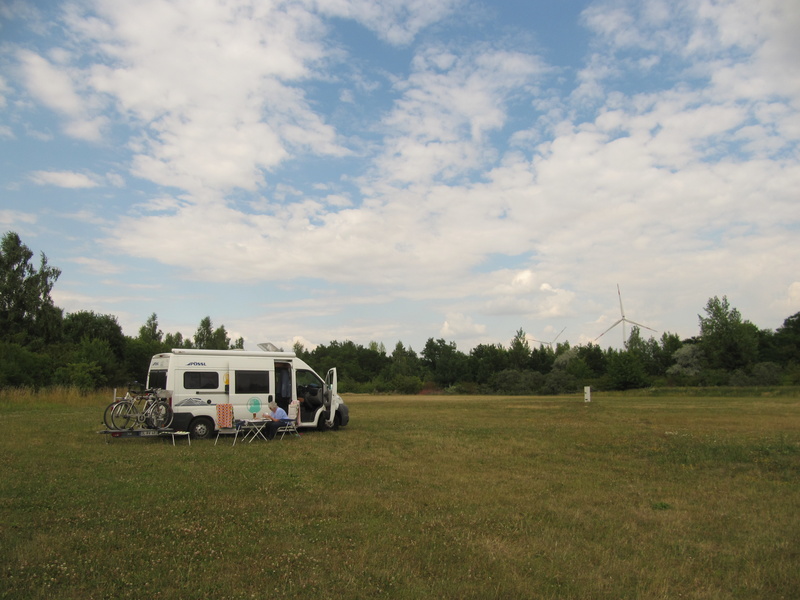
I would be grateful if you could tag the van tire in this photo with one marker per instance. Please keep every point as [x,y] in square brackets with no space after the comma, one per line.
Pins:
[322,424]
[201,428]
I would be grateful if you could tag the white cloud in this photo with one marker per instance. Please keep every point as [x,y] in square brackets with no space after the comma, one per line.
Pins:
[449,105]
[745,48]
[555,302]
[65,179]
[395,21]
[791,303]
[12,217]
[338,201]
[4,90]
[87,217]
[98,266]
[491,187]
[55,87]
[458,325]
[49,84]
[129,321]
[210,86]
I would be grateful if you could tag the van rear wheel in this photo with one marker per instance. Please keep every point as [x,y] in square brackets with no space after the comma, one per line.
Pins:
[201,428]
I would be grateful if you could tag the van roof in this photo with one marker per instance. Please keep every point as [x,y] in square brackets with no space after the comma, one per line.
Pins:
[194,351]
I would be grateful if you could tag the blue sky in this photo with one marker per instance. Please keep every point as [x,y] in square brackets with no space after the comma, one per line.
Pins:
[321,170]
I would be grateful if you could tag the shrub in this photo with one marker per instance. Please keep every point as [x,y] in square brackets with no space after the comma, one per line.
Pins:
[516,382]
[406,384]
[559,381]
[84,376]
[626,372]
[20,367]
[767,373]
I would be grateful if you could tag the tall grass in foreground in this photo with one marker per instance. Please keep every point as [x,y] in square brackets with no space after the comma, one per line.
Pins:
[57,396]
[447,497]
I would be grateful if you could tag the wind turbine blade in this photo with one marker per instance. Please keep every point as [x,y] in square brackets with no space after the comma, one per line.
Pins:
[621,310]
[559,333]
[607,330]
[642,326]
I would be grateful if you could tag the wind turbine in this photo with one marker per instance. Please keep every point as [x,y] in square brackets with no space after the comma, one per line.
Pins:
[623,320]
[549,343]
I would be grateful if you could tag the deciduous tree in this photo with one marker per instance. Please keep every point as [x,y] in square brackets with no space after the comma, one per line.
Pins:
[208,338]
[149,332]
[27,312]
[728,342]
[447,365]
[519,352]
[787,340]
[86,324]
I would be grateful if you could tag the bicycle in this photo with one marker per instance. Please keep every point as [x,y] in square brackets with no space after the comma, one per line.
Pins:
[126,414]
[110,408]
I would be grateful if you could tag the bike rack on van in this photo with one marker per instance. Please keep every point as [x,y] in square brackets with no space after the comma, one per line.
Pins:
[138,433]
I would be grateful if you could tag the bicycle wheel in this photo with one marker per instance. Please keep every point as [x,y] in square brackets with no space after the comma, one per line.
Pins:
[125,415]
[160,415]
[107,415]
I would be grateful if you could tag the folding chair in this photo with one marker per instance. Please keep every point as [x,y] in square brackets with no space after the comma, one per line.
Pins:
[225,420]
[290,425]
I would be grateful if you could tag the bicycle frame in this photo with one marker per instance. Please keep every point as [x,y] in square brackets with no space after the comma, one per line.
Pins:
[144,410]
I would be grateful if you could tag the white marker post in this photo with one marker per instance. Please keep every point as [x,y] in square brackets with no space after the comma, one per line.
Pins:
[587,394]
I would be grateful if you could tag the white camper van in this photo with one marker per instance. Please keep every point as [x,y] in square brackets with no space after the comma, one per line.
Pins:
[195,381]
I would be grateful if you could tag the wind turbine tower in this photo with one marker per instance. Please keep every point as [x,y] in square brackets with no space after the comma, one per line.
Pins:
[623,320]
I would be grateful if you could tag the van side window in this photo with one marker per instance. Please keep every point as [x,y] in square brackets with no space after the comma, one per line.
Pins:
[251,382]
[199,380]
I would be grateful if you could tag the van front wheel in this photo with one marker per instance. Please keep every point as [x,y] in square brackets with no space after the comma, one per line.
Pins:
[201,428]
[323,422]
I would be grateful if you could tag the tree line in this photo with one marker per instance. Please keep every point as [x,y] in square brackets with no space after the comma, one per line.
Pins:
[41,346]
[728,351]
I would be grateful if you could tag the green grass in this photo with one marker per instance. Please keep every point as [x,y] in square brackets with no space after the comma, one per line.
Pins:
[630,496]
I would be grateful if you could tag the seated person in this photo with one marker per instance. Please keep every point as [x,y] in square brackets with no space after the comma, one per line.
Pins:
[277,417]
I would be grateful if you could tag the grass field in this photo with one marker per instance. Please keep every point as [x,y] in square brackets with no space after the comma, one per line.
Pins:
[419,497]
